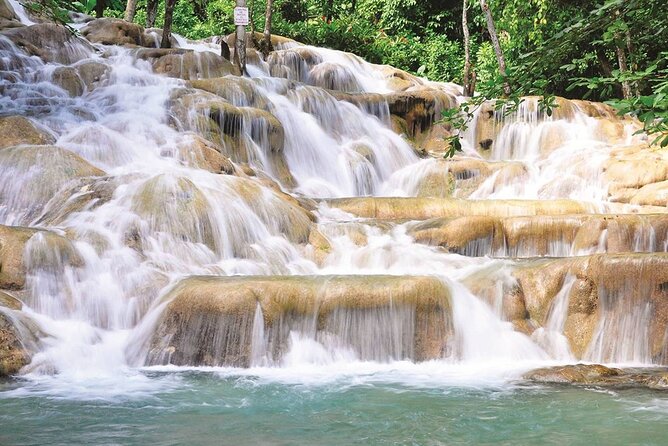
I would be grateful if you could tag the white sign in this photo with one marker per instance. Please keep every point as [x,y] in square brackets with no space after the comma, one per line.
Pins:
[241,16]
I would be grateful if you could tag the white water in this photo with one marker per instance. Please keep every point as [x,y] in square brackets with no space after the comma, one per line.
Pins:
[154,218]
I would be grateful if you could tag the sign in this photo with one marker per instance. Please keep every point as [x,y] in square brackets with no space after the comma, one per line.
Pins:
[241,16]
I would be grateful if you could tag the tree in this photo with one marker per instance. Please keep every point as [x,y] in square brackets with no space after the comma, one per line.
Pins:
[130,10]
[167,27]
[621,53]
[497,46]
[99,8]
[151,12]
[240,43]
[266,46]
[467,79]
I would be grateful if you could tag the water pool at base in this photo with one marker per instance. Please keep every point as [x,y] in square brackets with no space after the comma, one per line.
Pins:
[212,408]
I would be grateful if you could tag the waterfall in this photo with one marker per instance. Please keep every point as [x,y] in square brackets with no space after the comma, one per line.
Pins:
[195,221]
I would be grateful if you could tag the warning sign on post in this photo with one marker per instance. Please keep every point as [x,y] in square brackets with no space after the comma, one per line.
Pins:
[241,16]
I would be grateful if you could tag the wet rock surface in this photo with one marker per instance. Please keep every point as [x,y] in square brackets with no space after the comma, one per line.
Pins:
[601,376]
[211,321]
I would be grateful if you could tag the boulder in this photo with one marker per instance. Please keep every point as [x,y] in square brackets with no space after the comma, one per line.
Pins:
[15,256]
[187,64]
[19,336]
[176,206]
[6,11]
[573,374]
[92,73]
[617,303]
[198,152]
[600,375]
[109,31]
[33,175]
[18,130]
[212,320]
[237,130]
[50,42]
[236,90]
[68,79]
[278,42]
[153,38]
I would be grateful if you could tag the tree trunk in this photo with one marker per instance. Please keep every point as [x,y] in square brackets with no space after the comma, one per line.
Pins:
[329,11]
[497,46]
[199,8]
[99,8]
[151,12]
[240,44]
[167,27]
[251,17]
[266,45]
[634,66]
[623,69]
[468,87]
[130,10]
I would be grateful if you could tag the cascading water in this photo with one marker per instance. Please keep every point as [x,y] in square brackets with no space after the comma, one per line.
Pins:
[128,205]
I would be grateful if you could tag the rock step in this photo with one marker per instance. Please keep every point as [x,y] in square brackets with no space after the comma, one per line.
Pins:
[545,235]
[615,308]
[411,208]
[250,320]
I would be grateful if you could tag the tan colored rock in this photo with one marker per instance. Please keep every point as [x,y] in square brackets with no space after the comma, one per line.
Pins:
[92,73]
[425,208]
[573,374]
[6,11]
[613,287]
[14,256]
[203,154]
[210,320]
[600,375]
[68,79]
[545,235]
[53,166]
[230,88]
[655,194]
[17,130]
[187,64]
[9,301]
[49,42]
[278,42]
[19,336]
[176,206]
[109,31]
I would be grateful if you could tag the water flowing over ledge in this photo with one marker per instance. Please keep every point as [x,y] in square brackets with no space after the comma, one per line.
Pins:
[159,212]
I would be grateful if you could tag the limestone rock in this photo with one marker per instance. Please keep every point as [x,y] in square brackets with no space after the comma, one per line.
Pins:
[6,11]
[19,336]
[50,42]
[210,320]
[17,130]
[13,252]
[203,154]
[573,374]
[187,64]
[34,174]
[425,208]
[108,31]
[92,73]
[600,375]
[68,79]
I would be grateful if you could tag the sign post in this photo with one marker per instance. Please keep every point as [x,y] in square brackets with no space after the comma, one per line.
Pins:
[240,21]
